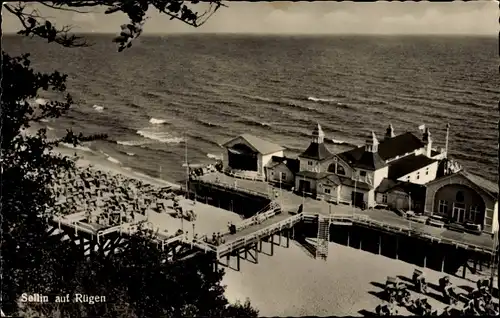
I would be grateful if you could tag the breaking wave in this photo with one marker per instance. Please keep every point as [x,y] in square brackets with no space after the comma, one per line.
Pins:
[155,121]
[212,156]
[161,137]
[113,160]
[132,142]
[82,148]
[98,108]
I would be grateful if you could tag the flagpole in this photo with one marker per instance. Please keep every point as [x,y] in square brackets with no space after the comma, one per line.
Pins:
[447,139]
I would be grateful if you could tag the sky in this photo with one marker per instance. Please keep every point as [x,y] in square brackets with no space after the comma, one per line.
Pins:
[320,17]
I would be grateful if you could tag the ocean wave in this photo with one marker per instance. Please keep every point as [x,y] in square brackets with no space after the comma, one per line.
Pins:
[78,147]
[132,142]
[49,128]
[208,124]
[212,156]
[256,123]
[320,100]
[331,101]
[156,121]
[160,136]
[98,108]
[113,160]
[44,120]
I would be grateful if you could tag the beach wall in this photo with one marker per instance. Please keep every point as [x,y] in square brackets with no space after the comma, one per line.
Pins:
[432,255]
[244,204]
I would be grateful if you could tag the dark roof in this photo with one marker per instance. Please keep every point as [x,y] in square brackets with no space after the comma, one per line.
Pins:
[408,164]
[312,174]
[317,152]
[389,148]
[292,164]
[363,159]
[262,146]
[416,190]
[434,153]
[358,184]
[319,175]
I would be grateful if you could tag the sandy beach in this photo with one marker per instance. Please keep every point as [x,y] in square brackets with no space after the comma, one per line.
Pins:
[292,284]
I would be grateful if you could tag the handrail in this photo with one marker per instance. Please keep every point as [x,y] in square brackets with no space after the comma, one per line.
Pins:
[230,187]
[229,245]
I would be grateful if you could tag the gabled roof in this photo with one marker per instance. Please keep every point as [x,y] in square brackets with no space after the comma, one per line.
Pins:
[389,148]
[387,185]
[319,176]
[408,164]
[262,146]
[487,186]
[292,164]
[363,159]
[351,183]
[317,152]
[481,182]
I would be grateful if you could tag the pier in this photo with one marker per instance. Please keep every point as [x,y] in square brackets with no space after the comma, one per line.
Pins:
[279,221]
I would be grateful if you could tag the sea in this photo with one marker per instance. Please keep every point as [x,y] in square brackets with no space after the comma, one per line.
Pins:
[176,98]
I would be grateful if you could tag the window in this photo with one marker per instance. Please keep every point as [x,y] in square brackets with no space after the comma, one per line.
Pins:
[427,171]
[340,170]
[309,163]
[384,198]
[473,214]
[443,207]
[418,175]
[283,176]
[327,190]
[460,196]
[362,173]
[407,178]
[272,173]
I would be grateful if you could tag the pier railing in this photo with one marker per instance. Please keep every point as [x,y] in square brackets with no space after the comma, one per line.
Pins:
[227,247]
[227,186]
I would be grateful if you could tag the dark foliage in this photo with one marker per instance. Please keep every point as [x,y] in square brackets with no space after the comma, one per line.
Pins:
[138,282]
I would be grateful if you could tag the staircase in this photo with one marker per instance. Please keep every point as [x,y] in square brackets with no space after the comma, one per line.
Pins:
[323,238]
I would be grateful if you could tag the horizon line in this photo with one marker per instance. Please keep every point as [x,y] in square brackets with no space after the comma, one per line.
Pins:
[280,34]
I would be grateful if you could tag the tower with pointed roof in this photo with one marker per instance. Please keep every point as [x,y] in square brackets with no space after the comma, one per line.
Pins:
[316,153]
[371,144]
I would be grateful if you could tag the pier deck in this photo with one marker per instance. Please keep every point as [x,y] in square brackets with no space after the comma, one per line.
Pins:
[290,203]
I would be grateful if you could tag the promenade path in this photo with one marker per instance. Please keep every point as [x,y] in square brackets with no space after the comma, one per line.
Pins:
[290,203]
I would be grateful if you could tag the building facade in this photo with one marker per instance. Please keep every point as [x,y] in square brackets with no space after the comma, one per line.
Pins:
[464,198]
[248,155]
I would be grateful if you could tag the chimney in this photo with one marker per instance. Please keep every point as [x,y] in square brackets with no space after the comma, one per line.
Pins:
[318,136]
[389,132]
[426,138]
[371,143]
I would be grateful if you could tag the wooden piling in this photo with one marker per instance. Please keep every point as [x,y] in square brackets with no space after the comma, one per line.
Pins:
[425,261]
[348,237]
[397,247]
[246,252]
[260,245]
[288,238]
[379,244]
[271,240]
[256,254]
[465,267]
[442,263]
[238,261]
[360,243]
[279,238]
[228,258]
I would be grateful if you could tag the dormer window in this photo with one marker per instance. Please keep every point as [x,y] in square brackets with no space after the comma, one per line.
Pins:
[309,163]
[362,173]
